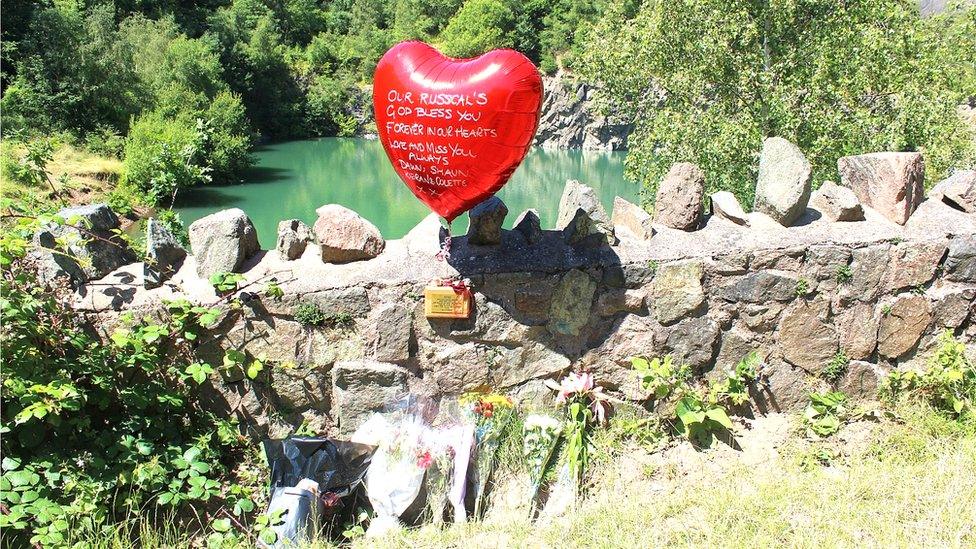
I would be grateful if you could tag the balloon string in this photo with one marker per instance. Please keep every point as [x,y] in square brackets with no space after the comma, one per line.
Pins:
[445,252]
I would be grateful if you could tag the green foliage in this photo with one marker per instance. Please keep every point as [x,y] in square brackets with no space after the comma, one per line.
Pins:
[174,223]
[273,290]
[844,274]
[948,383]
[479,26]
[309,314]
[706,80]
[802,287]
[824,414]
[225,282]
[98,433]
[660,377]
[699,413]
[163,155]
[836,367]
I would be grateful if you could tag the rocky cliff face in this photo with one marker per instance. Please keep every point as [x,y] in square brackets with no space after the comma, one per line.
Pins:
[571,118]
[878,292]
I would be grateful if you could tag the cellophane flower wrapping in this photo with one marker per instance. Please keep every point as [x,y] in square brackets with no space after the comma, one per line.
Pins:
[396,473]
[540,437]
[439,459]
[490,414]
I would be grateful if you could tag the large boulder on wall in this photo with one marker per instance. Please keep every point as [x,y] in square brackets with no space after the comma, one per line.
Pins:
[344,236]
[222,241]
[889,182]
[678,203]
[91,248]
[783,188]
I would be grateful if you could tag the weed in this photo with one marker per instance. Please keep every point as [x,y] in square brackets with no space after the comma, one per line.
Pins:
[844,274]
[824,415]
[309,314]
[802,287]
[836,367]
[273,290]
[948,383]
[885,310]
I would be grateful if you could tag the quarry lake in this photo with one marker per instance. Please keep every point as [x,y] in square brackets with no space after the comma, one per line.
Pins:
[292,179]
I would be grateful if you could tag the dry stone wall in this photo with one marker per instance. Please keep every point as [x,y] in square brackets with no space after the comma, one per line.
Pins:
[546,301]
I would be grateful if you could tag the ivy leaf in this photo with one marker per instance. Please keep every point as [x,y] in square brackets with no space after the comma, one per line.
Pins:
[221,525]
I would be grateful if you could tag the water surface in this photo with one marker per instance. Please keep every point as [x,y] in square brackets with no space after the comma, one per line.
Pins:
[292,179]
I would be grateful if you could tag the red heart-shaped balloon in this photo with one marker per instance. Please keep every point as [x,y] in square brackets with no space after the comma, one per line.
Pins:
[455,129]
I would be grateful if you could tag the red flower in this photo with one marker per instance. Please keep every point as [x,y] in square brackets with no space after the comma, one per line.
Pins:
[424,459]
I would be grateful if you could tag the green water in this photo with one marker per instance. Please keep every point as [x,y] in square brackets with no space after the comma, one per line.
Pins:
[290,180]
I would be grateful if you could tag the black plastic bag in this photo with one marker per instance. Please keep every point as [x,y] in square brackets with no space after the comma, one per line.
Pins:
[337,466]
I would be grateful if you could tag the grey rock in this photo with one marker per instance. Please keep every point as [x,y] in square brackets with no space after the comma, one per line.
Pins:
[164,254]
[457,368]
[958,191]
[391,333]
[868,268]
[912,264]
[726,206]
[571,120]
[889,182]
[952,306]
[293,237]
[301,386]
[760,287]
[837,203]
[677,290]
[678,203]
[783,187]
[222,241]
[54,266]
[571,302]
[360,388]
[90,241]
[903,321]
[960,265]
[861,380]
[485,222]
[351,300]
[693,341]
[782,388]
[577,196]
[344,236]
[632,218]
[529,226]
[584,230]
[96,217]
[806,338]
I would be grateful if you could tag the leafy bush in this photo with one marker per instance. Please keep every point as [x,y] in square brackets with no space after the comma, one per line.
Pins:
[94,434]
[164,155]
[699,412]
[706,80]
[948,383]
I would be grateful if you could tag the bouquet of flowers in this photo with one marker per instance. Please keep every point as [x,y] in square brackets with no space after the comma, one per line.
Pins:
[490,413]
[540,437]
[438,459]
[586,405]
[396,472]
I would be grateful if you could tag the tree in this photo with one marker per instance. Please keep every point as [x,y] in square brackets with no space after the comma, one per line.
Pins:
[479,26]
[706,80]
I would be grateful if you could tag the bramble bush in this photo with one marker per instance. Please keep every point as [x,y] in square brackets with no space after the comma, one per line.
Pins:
[98,433]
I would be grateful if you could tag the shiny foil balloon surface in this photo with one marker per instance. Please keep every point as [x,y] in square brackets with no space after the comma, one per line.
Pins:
[455,129]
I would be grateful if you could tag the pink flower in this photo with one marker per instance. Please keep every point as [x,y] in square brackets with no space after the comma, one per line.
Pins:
[582,384]
[424,459]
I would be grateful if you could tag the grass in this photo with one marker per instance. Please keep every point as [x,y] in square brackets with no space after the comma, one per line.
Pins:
[902,482]
[89,176]
[907,484]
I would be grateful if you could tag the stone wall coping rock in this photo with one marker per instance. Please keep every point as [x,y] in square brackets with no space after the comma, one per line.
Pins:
[411,260]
